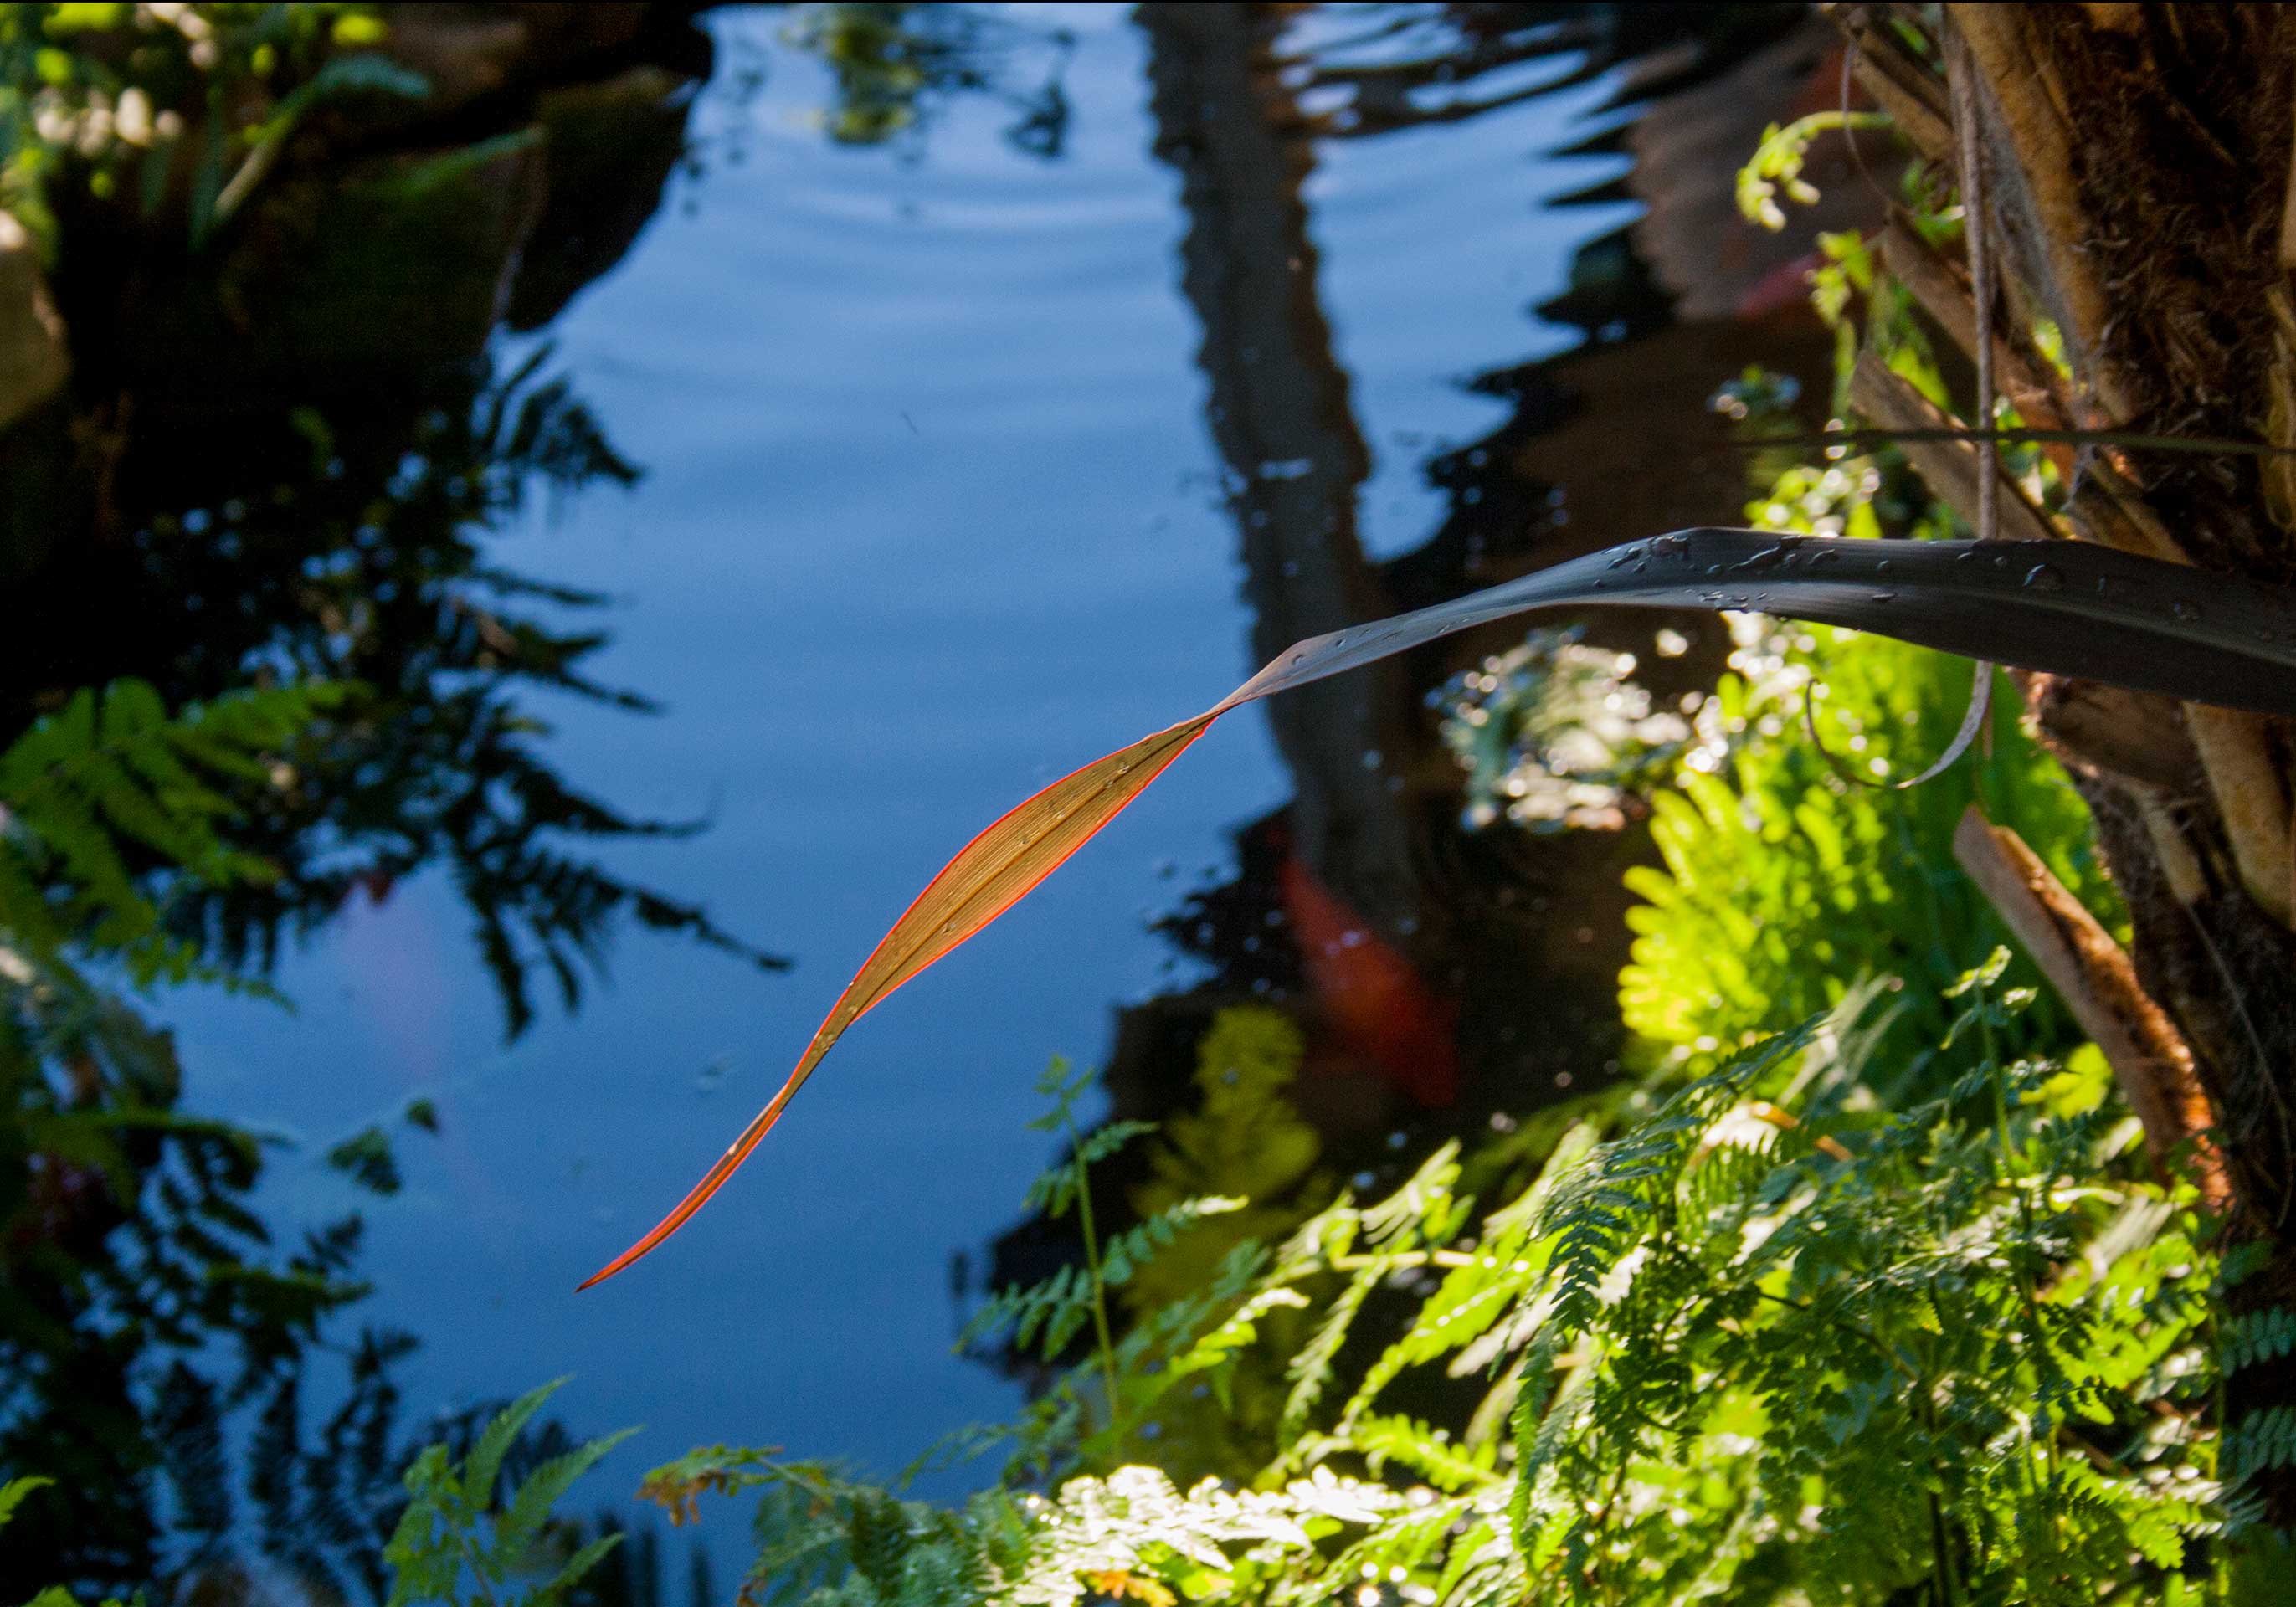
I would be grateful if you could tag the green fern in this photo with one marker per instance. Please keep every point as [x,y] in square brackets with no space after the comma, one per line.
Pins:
[455,1528]
[1047,1316]
[2254,1338]
[1765,1342]
[112,792]
[12,1495]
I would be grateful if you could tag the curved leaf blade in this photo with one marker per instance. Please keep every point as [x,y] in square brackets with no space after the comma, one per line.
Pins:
[2064,607]
[2061,607]
[989,874]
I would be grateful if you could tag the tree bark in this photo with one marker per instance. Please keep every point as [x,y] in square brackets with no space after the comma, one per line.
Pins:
[2137,164]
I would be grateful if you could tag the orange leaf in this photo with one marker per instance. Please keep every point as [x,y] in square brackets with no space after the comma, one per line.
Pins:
[2067,608]
[992,872]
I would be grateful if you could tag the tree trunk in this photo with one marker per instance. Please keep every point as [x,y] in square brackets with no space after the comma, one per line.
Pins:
[2136,163]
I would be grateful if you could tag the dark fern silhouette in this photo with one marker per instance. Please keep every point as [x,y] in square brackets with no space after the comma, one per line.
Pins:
[354,551]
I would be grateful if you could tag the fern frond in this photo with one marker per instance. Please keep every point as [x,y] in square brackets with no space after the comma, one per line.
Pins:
[112,787]
[2254,1338]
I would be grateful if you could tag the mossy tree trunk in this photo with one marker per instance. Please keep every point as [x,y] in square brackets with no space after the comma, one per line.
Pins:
[2136,161]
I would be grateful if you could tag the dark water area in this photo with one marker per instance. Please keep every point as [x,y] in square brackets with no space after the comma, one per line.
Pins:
[855,448]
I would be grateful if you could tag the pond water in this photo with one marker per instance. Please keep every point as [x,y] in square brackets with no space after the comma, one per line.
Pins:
[968,453]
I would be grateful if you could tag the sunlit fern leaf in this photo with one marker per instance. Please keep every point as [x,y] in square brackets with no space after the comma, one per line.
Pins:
[1625,1187]
[1491,1286]
[1311,1371]
[1419,1446]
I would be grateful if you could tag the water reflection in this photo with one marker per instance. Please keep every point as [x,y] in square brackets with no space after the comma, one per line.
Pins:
[281,461]
[1443,981]
[308,492]
[288,463]
[141,1301]
[896,66]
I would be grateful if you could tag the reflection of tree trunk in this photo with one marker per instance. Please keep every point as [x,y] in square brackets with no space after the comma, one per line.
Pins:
[2096,123]
[1523,941]
[1280,415]
[1522,938]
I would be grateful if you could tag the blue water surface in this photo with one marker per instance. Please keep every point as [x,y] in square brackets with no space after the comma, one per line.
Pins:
[930,515]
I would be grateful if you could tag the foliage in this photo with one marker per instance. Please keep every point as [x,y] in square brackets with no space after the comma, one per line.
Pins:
[1877,1309]
[1048,1316]
[157,1349]
[829,1541]
[898,65]
[354,549]
[454,1525]
[110,100]
[1242,1151]
[1556,735]
[107,788]
[314,700]
[1243,1141]
[1765,1343]
[1782,882]
[155,1342]
[316,518]
[12,1495]
[1777,164]
[147,1321]
[1910,1332]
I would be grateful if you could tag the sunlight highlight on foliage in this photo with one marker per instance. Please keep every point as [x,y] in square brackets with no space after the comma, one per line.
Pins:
[1763,1341]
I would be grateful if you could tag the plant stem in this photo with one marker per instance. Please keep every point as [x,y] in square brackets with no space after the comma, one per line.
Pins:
[1093,1265]
[478,1567]
[1941,1532]
[2009,1175]
[1942,1546]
